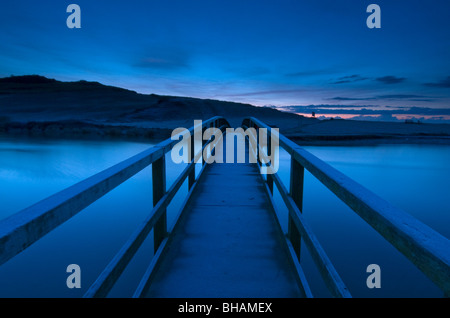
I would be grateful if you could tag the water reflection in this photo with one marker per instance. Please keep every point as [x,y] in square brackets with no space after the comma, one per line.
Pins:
[411,177]
[33,170]
[414,178]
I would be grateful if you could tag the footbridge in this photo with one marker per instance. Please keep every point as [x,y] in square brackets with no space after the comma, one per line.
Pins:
[227,240]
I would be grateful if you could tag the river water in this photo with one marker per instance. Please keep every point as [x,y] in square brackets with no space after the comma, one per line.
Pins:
[412,177]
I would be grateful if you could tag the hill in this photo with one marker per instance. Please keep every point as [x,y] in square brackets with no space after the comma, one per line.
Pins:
[35,104]
[36,98]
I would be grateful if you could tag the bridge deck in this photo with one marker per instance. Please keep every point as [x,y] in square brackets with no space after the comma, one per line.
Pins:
[227,242]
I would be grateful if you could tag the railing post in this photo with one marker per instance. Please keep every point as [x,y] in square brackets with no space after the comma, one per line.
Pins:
[213,151]
[159,190]
[269,153]
[191,179]
[257,143]
[270,183]
[296,192]
[203,145]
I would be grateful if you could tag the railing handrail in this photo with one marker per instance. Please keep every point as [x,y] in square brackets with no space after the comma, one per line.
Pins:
[109,276]
[327,271]
[424,247]
[22,229]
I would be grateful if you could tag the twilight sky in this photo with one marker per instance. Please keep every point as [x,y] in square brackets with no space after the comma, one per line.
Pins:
[277,52]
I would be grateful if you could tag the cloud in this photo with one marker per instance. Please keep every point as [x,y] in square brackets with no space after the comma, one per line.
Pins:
[351,98]
[400,96]
[164,59]
[390,79]
[160,63]
[371,113]
[350,79]
[382,117]
[444,83]
[267,92]
[310,73]
[337,106]
[331,109]
[410,97]
[368,110]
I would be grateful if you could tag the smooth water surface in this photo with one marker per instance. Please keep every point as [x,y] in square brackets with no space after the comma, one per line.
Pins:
[411,177]
[414,178]
[33,169]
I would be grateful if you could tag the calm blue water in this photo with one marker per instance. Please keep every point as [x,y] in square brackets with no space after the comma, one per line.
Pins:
[414,178]
[31,170]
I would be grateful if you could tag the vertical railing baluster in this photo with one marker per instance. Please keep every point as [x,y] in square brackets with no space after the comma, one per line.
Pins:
[213,150]
[270,183]
[203,145]
[269,153]
[159,190]
[296,192]
[255,151]
[191,179]
[257,144]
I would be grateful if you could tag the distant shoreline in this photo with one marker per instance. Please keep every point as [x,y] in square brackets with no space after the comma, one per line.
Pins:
[42,107]
[369,140]
[82,130]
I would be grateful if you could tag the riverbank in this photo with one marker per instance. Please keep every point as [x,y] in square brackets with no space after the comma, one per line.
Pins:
[353,132]
[367,140]
[81,130]
[350,136]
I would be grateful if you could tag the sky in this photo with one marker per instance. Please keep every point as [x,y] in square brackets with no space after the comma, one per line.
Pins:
[300,56]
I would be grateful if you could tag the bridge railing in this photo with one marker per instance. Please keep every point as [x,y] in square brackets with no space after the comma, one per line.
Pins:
[24,228]
[428,250]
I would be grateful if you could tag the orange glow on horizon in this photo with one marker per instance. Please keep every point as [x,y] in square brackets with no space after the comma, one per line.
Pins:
[394,116]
